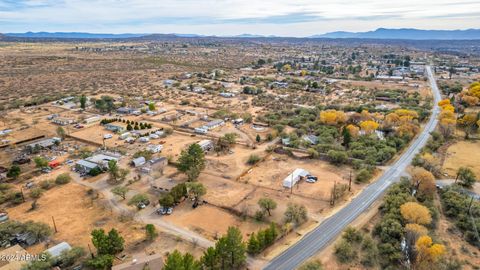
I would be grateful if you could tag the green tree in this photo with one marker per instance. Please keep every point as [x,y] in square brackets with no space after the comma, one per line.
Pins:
[61,132]
[150,232]
[192,161]
[210,259]
[337,157]
[107,244]
[120,191]
[296,214]
[14,172]
[177,261]
[258,138]
[178,192]
[40,162]
[166,200]
[138,198]
[113,170]
[83,102]
[253,246]
[231,249]
[466,177]
[267,204]
[345,252]
[101,262]
[151,106]
[347,138]
[197,190]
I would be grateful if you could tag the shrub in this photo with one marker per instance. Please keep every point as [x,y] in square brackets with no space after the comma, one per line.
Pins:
[345,252]
[363,176]
[253,159]
[337,157]
[36,193]
[47,184]
[63,179]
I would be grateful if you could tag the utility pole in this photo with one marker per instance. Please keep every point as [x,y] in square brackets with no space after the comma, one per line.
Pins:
[54,224]
[21,191]
[90,249]
[350,181]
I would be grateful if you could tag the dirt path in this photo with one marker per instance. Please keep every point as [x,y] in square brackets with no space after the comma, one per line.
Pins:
[144,216]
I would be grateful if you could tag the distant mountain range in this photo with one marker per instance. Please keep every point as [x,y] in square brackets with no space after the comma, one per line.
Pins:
[407,33]
[73,35]
[381,33]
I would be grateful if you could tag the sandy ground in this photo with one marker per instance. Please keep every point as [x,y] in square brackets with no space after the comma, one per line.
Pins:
[210,221]
[76,215]
[463,153]
[276,168]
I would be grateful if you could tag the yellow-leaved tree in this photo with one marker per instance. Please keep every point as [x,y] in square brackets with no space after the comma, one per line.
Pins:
[353,130]
[424,181]
[415,213]
[428,253]
[369,126]
[474,89]
[332,117]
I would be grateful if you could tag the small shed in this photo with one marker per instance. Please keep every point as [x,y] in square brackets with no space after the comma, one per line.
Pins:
[138,162]
[294,177]
[57,250]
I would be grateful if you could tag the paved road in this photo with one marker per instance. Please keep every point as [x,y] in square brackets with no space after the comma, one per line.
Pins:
[329,229]
[449,182]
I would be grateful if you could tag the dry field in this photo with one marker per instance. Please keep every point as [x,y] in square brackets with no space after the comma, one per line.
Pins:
[76,215]
[274,169]
[210,221]
[462,153]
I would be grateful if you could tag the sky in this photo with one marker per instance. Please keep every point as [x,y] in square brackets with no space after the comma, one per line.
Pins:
[295,18]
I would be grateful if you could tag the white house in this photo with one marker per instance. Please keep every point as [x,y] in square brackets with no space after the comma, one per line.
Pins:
[200,130]
[92,119]
[144,139]
[294,177]
[154,148]
[206,145]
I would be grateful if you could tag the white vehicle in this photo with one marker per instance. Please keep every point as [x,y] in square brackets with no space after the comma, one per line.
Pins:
[107,136]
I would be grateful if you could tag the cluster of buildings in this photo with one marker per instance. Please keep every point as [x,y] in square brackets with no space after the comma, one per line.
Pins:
[209,126]
[98,161]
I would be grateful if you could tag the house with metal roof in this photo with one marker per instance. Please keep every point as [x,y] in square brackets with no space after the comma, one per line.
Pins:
[294,177]
[57,250]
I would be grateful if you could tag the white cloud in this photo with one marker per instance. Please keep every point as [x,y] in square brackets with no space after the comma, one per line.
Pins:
[234,16]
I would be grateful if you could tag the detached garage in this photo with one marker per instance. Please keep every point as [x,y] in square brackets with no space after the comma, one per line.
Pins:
[294,177]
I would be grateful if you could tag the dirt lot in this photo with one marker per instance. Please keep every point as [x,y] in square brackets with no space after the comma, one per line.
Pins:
[463,153]
[210,221]
[76,215]
[275,168]
[232,165]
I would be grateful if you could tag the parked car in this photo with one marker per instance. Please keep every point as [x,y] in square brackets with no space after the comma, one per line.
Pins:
[107,136]
[312,177]
[78,126]
[3,217]
[165,210]
[21,160]
[310,180]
